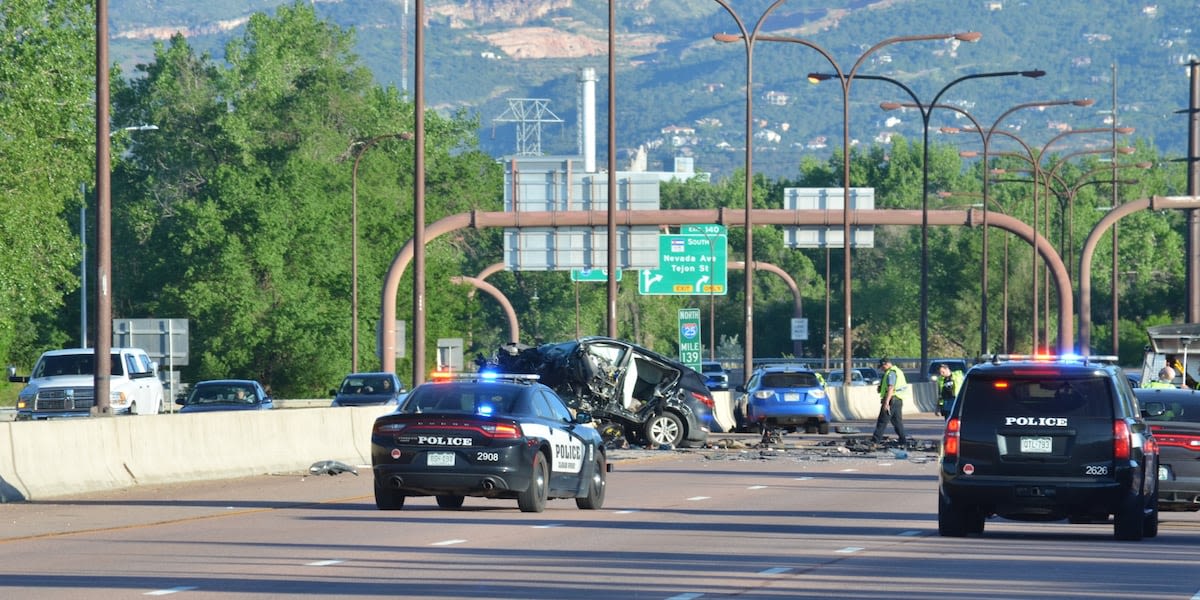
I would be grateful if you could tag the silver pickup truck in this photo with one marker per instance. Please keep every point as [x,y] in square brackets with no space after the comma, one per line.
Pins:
[62,384]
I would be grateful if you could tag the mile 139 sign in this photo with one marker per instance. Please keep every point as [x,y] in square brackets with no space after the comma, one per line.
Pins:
[689,337]
[691,262]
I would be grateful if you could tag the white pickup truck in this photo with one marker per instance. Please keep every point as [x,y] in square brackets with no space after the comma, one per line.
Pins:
[62,384]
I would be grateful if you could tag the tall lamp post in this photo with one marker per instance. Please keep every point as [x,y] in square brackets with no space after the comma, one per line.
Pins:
[362,149]
[926,110]
[845,78]
[748,38]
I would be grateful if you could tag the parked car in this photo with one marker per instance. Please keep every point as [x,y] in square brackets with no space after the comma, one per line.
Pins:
[226,394]
[871,375]
[630,391]
[1174,418]
[836,377]
[368,389]
[1048,439]
[784,398]
[715,376]
[62,384]
[487,435]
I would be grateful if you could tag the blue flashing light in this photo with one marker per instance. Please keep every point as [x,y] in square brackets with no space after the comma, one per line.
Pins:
[486,409]
[489,375]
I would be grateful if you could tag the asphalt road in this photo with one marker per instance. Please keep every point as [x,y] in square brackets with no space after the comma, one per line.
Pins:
[805,519]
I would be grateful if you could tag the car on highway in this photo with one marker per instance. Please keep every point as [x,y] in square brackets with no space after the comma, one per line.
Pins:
[836,377]
[784,398]
[633,393]
[487,435]
[1047,439]
[368,389]
[871,375]
[226,394]
[1174,417]
[715,376]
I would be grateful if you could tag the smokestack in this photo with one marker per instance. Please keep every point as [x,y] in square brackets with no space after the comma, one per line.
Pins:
[587,125]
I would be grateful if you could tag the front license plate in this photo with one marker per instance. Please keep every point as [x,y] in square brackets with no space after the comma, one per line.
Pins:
[1037,445]
[791,397]
[440,459]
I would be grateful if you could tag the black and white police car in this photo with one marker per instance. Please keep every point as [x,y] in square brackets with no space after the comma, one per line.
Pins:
[487,435]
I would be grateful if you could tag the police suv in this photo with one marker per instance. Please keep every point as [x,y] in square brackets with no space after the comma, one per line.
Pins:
[487,435]
[1046,439]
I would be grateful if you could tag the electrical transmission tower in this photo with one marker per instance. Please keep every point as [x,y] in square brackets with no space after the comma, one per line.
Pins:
[528,114]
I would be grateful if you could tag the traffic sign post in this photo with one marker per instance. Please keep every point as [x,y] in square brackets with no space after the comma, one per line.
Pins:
[689,337]
[690,263]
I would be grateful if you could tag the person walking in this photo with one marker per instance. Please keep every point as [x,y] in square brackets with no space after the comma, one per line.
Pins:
[893,391]
[1166,379]
[948,384]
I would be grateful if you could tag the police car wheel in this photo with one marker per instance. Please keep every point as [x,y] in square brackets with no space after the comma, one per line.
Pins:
[450,501]
[596,487]
[388,499]
[533,498]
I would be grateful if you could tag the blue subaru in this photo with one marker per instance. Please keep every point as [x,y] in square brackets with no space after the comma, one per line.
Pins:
[784,397]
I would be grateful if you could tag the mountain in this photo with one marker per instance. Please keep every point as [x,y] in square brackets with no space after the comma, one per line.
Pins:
[680,93]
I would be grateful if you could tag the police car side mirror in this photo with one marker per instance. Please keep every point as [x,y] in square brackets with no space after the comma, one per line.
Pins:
[583,418]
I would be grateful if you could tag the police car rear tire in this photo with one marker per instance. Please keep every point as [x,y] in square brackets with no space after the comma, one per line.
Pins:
[533,498]
[388,499]
[1129,520]
[953,520]
[596,487]
[450,501]
[1150,525]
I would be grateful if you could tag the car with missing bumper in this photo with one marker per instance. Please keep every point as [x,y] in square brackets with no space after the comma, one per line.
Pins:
[783,398]
[1174,418]
[1047,439]
[487,435]
[632,392]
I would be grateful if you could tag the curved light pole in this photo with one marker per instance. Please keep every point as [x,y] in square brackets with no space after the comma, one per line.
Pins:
[926,110]
[363,146]
[748,38]
[845,78]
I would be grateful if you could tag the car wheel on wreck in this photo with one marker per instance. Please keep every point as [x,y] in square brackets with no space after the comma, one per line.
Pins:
[665,428]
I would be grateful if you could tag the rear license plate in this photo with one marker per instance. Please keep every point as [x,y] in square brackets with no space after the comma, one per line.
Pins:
[791,397]
[440,459]
[1164,473]
[1037,445]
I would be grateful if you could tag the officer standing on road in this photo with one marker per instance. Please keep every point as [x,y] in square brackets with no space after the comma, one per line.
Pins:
[893,390]
[948,384]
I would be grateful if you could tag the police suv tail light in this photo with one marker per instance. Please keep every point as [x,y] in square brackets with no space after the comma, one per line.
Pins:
[950,438]
[1122,444]
[503,431]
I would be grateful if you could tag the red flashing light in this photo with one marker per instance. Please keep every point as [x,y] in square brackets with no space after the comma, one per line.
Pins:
[950,438]
[441,376]
[1122,444]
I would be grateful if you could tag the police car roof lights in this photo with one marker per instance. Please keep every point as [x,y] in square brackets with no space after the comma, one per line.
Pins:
[484,376]
[1047,358]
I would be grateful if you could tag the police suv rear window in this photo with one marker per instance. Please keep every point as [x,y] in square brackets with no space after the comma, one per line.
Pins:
[1000,396]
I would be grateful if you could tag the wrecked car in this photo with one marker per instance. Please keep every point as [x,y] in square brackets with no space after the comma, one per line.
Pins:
[631,392]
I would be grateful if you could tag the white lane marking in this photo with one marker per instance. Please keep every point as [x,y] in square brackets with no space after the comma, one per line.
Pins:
[624,512]
[174,590]
[695,498]
[448,542]
[687,596]
[885,464]
[547,526]
[910,533]
[324,563]
[775,571]
[757,487]
[850,550]
[803,478]
[849,470]
[1196,596]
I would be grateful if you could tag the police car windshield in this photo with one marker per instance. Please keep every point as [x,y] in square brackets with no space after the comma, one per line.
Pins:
[463,398]
[1052,396]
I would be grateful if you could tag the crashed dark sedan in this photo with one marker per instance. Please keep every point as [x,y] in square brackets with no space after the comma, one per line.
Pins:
[630,391]
[1174,419]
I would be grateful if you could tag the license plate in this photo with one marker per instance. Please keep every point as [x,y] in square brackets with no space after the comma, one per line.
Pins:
[1164,473]
[791,397]
[440,459]
[1037,445]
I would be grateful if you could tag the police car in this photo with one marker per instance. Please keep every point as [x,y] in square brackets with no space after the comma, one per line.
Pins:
[487,435]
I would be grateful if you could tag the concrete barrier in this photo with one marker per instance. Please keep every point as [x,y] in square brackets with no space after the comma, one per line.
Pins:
[45,459]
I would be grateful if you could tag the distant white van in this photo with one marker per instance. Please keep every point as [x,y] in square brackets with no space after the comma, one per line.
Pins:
[62,384]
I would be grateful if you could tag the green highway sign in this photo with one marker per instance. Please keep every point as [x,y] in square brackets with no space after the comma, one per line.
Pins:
[694,263]
[690,347]
[592,275]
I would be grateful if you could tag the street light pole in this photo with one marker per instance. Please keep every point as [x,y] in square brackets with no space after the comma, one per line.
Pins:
[748,39]
[845,79]
[362,149]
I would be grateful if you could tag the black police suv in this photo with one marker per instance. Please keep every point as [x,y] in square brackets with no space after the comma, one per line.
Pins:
[1047,439]
[489,436]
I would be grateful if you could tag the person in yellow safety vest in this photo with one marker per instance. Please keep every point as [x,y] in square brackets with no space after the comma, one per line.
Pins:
[948,384]
[893,391]
[1166,379]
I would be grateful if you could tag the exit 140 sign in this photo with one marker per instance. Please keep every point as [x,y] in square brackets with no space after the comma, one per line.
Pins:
[692,262]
